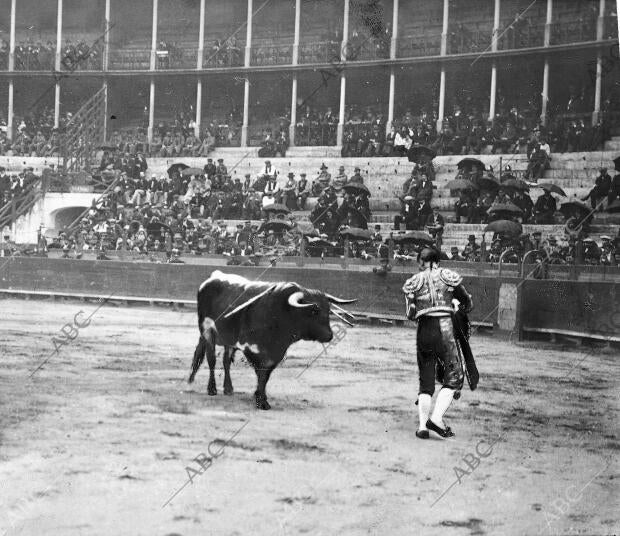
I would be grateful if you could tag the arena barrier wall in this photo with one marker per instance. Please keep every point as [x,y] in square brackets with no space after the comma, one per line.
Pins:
[579,308]
[379,295]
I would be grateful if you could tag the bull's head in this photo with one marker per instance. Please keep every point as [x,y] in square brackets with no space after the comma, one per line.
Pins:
[313,308]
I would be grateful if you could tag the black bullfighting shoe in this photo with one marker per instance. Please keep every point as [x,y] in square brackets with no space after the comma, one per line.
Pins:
[443,432]
[422,434]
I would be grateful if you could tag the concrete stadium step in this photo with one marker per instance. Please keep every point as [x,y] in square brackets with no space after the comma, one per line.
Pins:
[613,145]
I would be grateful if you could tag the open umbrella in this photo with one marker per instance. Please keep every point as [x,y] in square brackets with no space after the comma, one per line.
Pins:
[617,163]
[554,189]
[355,233]
[504,226]
[417,151]
[277,226]
[515,184]
[488,182]
[412,236]
[461,184]
[192,171]
[356,188]
[575,209]
[504,207]
[277,208]
[469,162]
[177,167]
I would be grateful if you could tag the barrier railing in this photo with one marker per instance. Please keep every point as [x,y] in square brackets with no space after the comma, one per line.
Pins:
[321,52]
[272,55]
[413,46]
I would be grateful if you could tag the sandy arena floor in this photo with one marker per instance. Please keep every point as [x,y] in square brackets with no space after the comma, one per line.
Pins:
[100,438]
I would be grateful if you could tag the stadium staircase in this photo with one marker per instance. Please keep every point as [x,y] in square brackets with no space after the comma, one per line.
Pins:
[84,134]
[20,205]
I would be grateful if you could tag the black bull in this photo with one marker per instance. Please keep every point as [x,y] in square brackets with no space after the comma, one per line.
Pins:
[262,319]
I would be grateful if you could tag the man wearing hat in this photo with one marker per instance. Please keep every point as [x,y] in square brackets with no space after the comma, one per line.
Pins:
[544,209]
[269,170]
[442,347]
[324,177]
[471,252]
[435,225]
[357,176]
[221,171]
[289,192]
[340,180]
[210,169]
[302,191]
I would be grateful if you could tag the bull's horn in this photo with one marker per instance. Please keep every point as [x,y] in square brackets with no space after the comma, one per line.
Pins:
[333,299]
[295,299]
[341,317]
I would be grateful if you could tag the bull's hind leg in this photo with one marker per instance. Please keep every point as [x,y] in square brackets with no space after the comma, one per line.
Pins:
[228,353]
[211,387]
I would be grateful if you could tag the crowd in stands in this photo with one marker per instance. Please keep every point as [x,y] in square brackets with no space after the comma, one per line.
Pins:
[224,53]
[463,132]
[566,250]
[31,55]
[185,211]
[12,185]
[34,134]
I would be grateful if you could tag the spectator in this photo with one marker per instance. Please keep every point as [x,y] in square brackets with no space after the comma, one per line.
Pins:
[545,208]
[435,225]
[602,185]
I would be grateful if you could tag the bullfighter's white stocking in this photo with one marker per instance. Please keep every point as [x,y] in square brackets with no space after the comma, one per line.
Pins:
[424,409]
[444,399]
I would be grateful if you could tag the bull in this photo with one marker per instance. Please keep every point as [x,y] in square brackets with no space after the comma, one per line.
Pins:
[262,320]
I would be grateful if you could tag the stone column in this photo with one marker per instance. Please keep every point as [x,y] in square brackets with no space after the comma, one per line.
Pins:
[494,47]
[295,61]
[149,130]
[548,23]
[442,79]
[291,128]
[343,79]
[106,37]
[199,61]
[154,36]
[246,112]
[11,110]
[545,93]
[57,65]
[246,88]
[392,90]
[394,42]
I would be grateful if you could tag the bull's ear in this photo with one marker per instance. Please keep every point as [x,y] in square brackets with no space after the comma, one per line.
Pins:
[333,299]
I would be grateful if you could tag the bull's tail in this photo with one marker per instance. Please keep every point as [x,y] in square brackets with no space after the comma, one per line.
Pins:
[206,345]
